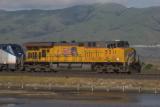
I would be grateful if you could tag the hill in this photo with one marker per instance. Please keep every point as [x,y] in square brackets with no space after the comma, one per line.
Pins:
[85,22]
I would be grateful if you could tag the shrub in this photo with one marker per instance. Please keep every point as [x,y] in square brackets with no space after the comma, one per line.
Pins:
[148,66]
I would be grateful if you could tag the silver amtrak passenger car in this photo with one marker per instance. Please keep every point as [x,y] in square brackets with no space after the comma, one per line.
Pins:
[11,57]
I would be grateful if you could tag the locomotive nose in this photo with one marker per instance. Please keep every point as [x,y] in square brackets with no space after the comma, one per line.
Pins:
[131,56]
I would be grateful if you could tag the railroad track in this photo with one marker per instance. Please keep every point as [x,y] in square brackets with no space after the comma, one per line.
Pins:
[68,74]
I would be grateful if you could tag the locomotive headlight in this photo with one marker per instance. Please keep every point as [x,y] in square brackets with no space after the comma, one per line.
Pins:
[117,59]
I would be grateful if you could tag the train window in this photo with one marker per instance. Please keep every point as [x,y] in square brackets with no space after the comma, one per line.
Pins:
[122,44]
[109,51]
[43,53]
[116,44]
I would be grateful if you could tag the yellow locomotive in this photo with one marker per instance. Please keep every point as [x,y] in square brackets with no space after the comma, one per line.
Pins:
[101,56]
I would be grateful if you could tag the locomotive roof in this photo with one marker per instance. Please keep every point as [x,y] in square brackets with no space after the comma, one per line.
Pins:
[39,44]
[49,44]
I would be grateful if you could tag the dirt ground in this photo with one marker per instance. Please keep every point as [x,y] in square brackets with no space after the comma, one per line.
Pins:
[35,81]
[155,69]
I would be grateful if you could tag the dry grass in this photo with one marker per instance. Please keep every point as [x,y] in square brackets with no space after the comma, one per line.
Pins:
[73,81]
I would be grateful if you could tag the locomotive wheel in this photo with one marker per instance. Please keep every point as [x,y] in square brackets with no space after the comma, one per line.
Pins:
[109,68]
[37,70]
[47,70]
[54,71]
[28,70]
[21,69]
[105,69]
[98,69]
[41,70]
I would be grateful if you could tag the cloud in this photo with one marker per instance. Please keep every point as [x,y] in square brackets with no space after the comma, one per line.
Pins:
[48,4]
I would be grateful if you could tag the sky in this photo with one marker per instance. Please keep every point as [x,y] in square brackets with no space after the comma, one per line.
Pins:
[57,4]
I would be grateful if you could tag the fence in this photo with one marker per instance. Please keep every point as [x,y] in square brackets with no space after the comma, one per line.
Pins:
[77,88]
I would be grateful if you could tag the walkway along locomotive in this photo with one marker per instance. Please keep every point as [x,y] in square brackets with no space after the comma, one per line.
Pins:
[101,56]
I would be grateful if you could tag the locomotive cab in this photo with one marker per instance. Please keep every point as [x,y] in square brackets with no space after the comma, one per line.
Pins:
[117,44]
[132,61]
[123,57]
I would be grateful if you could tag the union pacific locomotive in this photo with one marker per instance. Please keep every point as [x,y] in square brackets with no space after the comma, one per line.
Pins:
[99,56]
